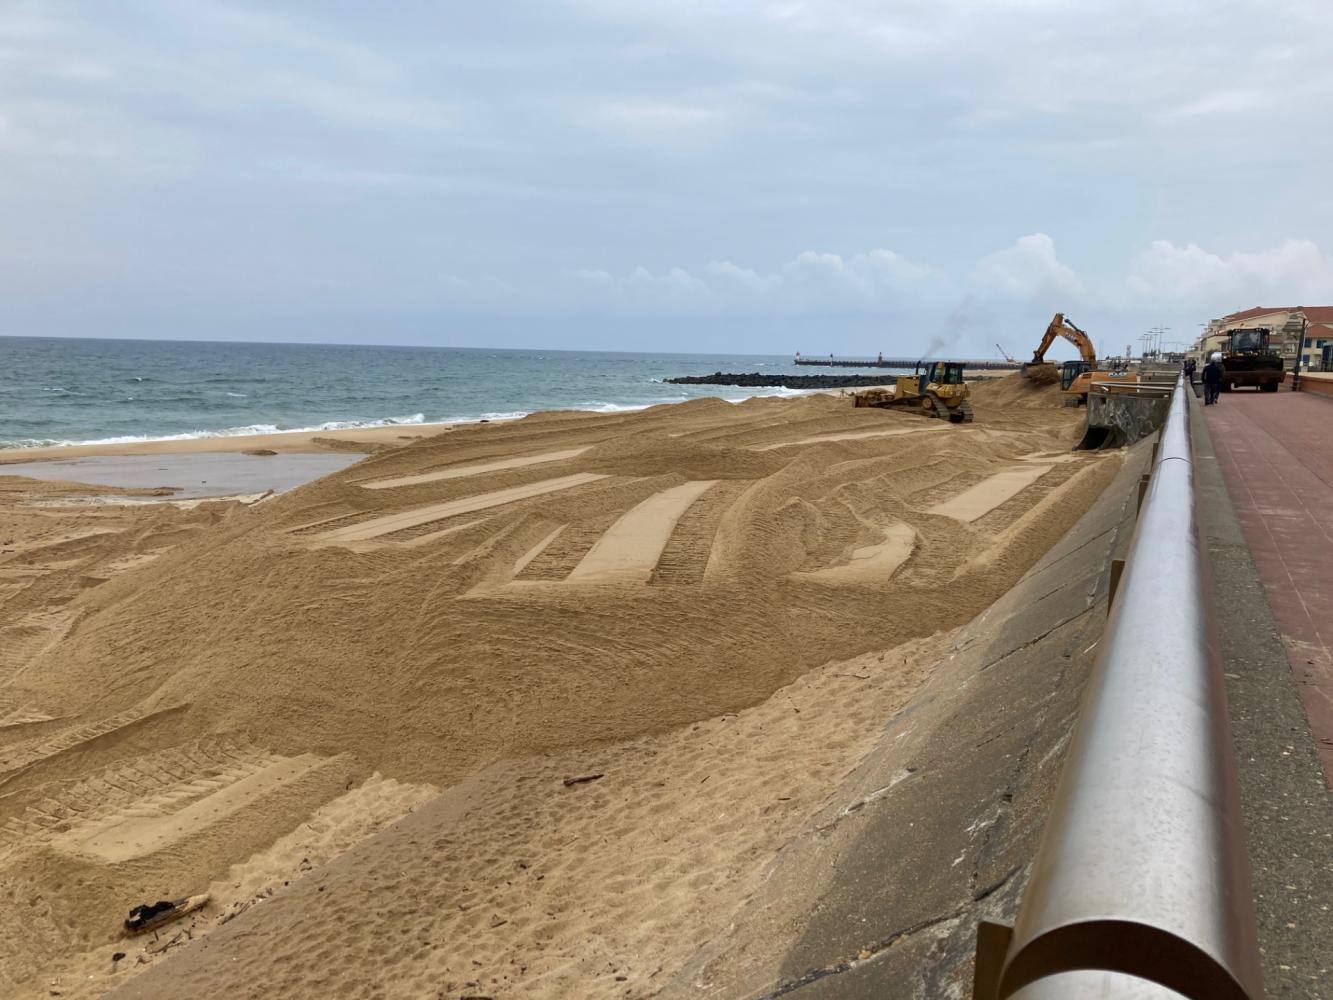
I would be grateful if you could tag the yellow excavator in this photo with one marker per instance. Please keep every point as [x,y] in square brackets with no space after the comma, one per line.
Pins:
[939,391]
[1074,376]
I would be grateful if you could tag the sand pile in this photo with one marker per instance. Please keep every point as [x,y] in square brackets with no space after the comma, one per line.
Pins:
[493,594]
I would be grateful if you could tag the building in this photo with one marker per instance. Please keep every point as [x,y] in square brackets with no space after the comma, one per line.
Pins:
[1285,322]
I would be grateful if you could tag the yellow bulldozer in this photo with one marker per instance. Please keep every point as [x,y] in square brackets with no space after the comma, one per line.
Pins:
[939,391]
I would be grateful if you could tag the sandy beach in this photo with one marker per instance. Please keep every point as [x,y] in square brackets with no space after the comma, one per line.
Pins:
[511,709]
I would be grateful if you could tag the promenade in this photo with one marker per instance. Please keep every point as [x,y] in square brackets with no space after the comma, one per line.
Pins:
[1276,456]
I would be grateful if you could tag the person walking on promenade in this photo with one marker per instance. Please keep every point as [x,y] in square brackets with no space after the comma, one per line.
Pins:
[1212,382]
[1189,371]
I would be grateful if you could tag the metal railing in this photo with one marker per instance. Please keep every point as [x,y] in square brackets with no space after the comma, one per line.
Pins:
[1141,885]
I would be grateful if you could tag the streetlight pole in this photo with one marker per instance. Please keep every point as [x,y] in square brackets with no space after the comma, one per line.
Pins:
[1300,349]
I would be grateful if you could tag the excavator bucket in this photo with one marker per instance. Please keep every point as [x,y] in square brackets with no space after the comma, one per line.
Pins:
[1042,373]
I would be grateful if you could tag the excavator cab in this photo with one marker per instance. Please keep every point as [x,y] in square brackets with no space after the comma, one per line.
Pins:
[1071,370]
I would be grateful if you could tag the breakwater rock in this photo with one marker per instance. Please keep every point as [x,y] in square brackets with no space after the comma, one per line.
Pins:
[785,381]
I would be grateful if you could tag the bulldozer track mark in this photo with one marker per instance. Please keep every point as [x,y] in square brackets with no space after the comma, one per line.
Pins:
[598,489]
[175,814]
[337,520]
[629,550]
[138,786]
[21,756]
[375,527]
[991,492]
[526,558]
[852,436]
[464,471]
[925,488]
[870,564]
[68,550]
[19,644]
[1005,514]
[567,549]
[427,533]
[25,717]
[685,557]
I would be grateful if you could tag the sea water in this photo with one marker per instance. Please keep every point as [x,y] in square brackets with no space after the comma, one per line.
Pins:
[67,391]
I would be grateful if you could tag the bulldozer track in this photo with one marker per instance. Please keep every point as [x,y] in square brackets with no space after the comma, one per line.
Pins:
[566,550]
[22,755]
[1020,503]
[176,775]
[683,561]
[181,812]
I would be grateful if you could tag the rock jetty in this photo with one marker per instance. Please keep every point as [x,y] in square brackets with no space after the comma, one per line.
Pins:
[785,381]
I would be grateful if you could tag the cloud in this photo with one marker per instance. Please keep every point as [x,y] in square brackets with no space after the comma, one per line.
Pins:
[653,122]
[812,282]
[270,151]
[1294,272]
[1027,270]
[1221,102]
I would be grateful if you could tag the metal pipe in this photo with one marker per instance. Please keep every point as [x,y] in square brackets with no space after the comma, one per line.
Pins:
[1142,870]
[1094,986]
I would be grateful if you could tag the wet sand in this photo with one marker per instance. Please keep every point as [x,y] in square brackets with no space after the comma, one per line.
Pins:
[364,440]
[190,475]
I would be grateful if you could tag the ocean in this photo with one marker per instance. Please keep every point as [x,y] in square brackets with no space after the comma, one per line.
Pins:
[66,391]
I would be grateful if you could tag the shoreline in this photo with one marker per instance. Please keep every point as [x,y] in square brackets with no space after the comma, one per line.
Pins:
[312,440]
[370,438]
[282,442]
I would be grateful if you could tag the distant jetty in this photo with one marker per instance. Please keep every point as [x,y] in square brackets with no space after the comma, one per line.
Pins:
[883,362]
[757,380]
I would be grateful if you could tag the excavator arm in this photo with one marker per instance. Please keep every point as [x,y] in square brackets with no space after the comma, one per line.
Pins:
[1061,327]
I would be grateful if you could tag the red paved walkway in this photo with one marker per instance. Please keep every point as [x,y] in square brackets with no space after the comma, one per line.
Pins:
[1276,454]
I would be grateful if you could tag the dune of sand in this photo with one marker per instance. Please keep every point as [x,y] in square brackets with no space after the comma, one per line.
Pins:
[349,712]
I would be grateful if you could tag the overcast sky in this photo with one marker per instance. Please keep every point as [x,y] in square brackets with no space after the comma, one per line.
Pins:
[723,175]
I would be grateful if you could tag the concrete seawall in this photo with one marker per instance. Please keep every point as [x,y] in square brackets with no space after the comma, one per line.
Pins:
[881,896]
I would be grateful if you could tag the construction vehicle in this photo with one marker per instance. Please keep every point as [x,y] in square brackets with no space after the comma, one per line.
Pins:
[1248,361]
[939,391]
[1074,376]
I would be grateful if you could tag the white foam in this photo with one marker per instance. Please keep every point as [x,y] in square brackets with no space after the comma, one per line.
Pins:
[249,430]
[592,406]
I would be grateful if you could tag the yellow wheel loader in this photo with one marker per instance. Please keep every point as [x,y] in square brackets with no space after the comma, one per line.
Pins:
[939,391]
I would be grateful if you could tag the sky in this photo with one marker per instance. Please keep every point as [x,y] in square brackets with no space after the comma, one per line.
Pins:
[841,176]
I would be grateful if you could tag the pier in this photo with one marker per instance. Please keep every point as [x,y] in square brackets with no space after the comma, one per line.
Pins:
[989,364]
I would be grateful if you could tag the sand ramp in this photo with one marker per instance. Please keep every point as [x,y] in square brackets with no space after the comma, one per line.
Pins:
[475,470]
[990,493]
[373,528]
[630,548]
